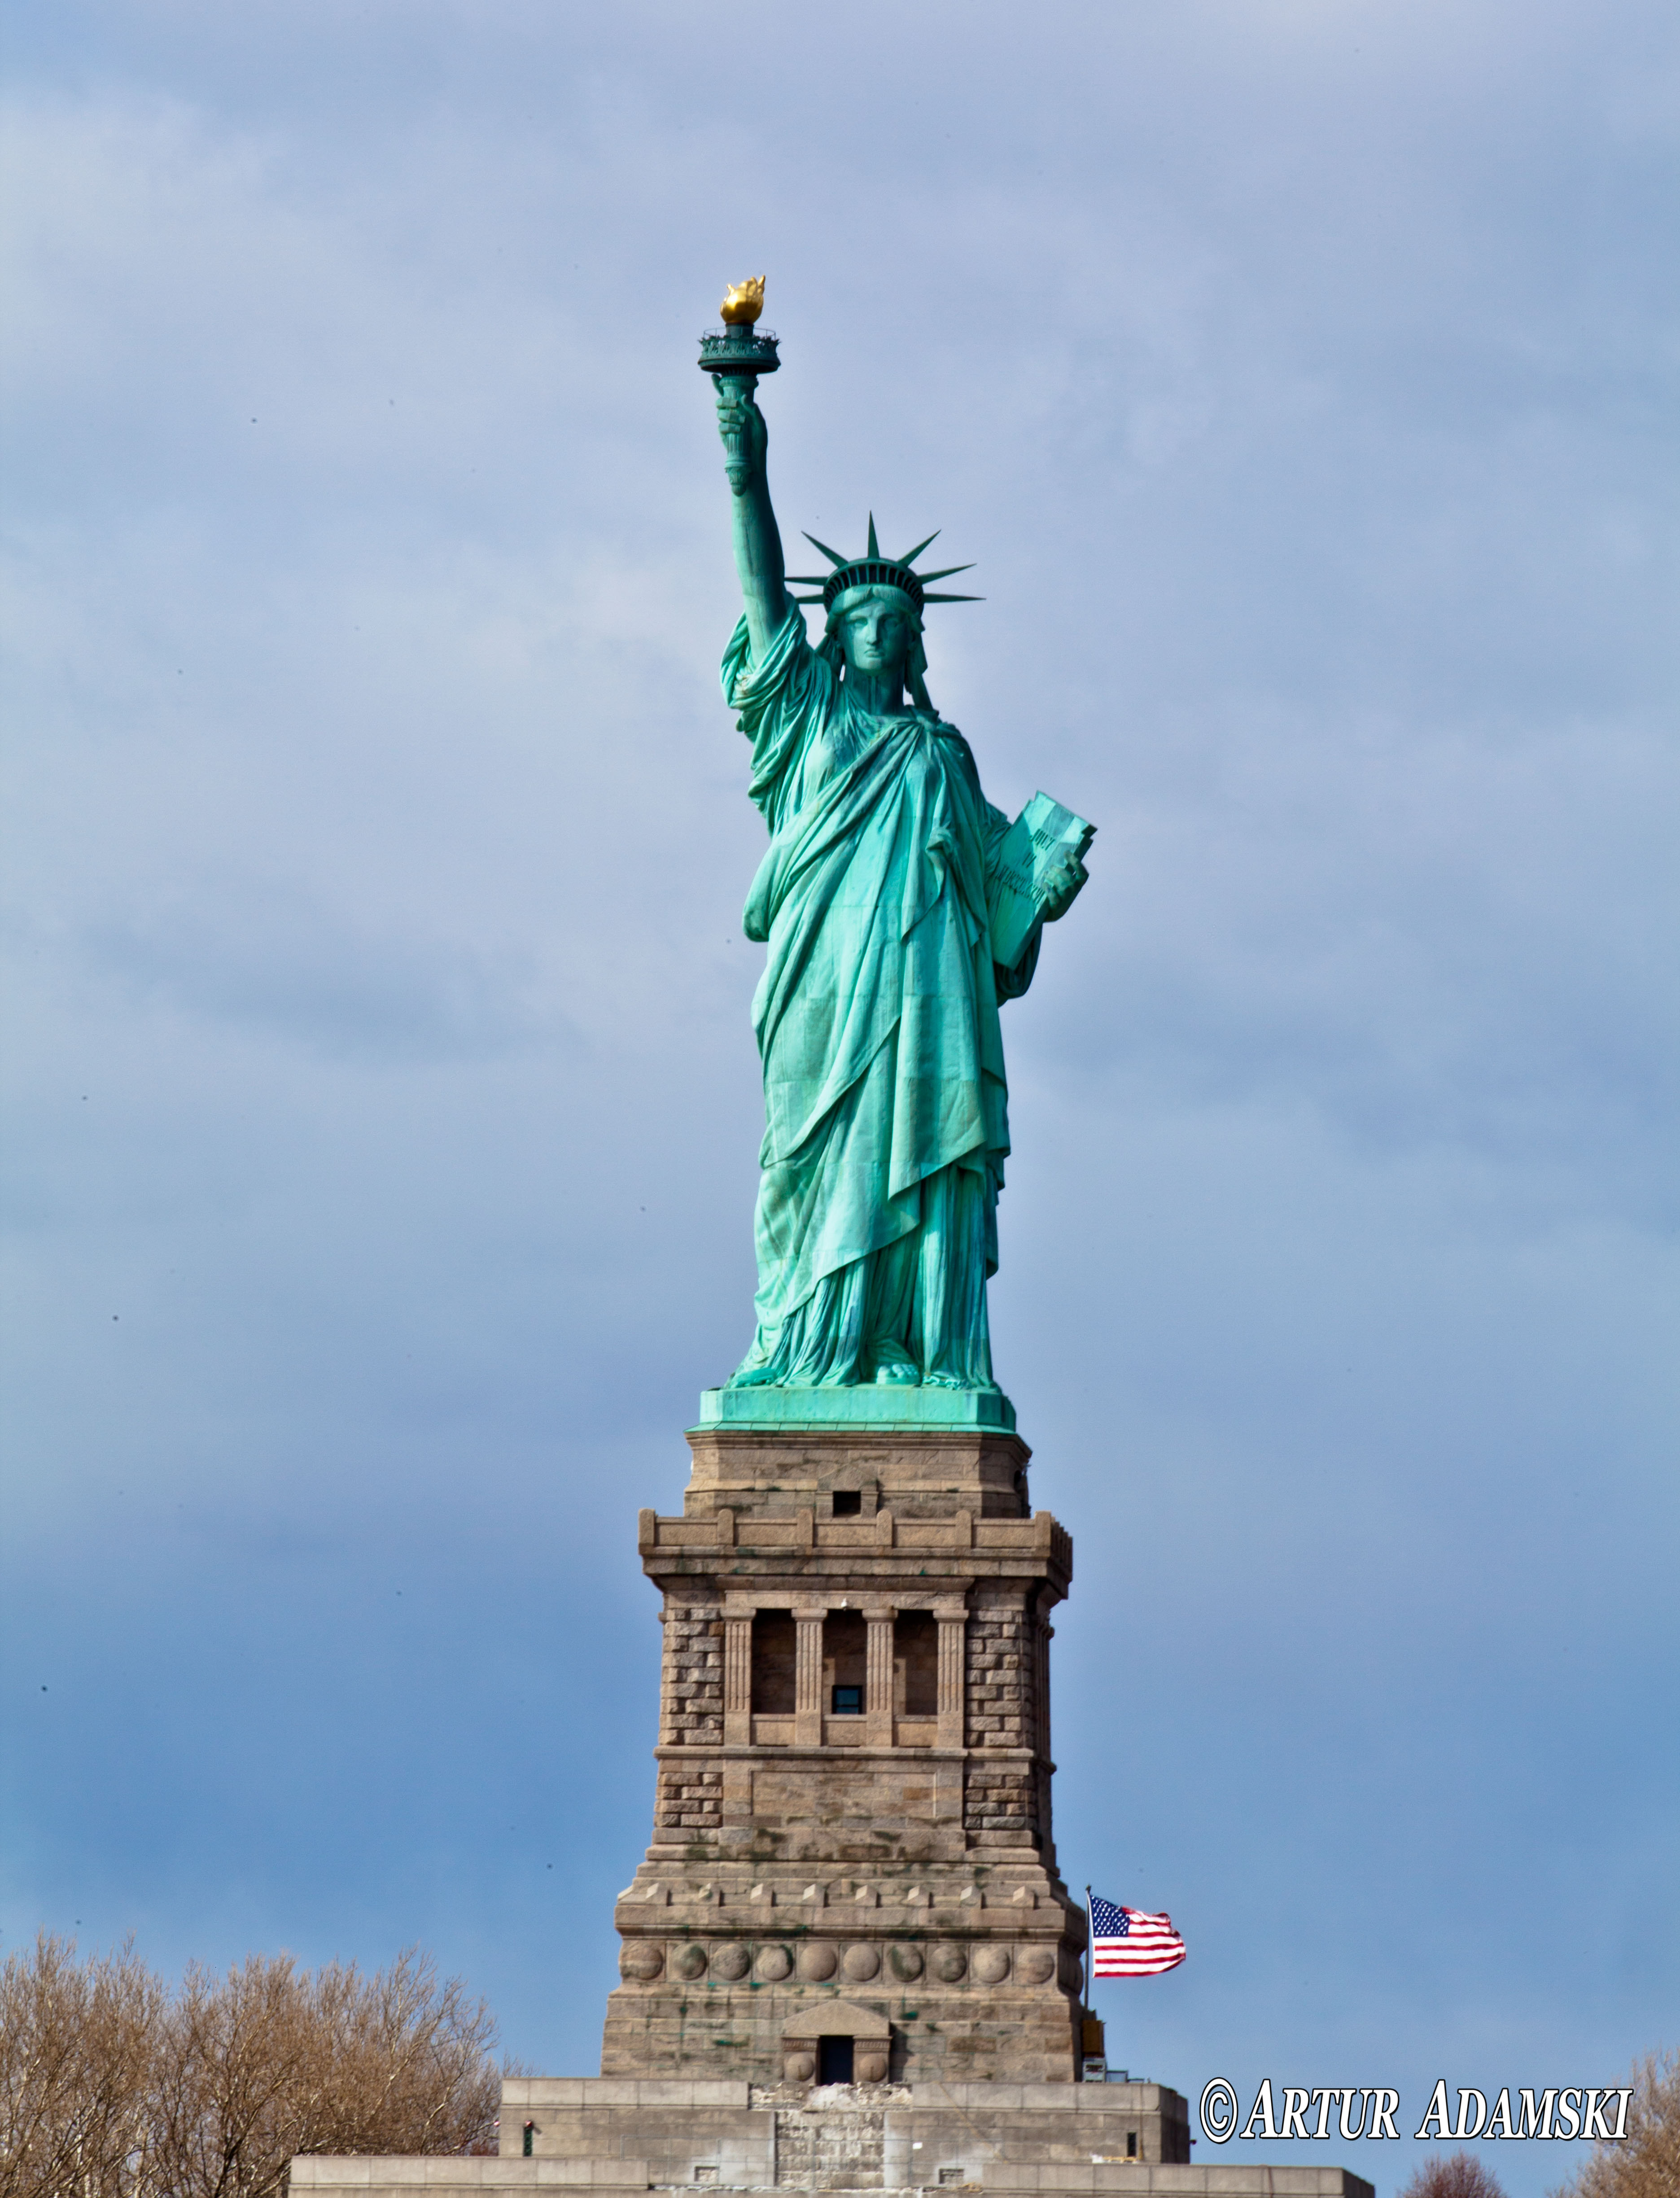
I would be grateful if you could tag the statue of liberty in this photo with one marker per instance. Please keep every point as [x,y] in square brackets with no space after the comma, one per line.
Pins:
[886,1105]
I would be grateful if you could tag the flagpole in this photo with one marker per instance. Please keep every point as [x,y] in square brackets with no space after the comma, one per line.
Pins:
[1085,1963]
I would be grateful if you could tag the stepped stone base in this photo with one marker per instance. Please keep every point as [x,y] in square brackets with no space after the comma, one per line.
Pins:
[605,2138]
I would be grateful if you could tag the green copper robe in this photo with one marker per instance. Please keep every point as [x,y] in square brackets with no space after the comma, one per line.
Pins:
[885,1109]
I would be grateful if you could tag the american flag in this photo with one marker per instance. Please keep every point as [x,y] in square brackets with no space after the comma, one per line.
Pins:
[1124,1942]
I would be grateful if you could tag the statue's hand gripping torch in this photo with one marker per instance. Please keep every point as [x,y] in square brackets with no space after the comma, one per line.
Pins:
[736,355]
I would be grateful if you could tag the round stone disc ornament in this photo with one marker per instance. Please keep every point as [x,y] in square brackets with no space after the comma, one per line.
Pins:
[951,1964]
[861,1963]
[905,1963]
[817,1964]
[639,1963]
[688,1962]
[775,1962]
[991,1965]
[730,1963]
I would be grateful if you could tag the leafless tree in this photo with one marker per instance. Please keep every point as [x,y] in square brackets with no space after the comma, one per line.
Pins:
[1460,2175]
[113,2088]
[267,2063]
[78,2043]
[1646,2163]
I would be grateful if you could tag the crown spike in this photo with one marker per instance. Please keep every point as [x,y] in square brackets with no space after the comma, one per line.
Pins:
[873,569]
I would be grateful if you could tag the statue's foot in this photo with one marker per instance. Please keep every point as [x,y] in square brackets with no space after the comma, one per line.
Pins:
[899,1371]
[754,1377]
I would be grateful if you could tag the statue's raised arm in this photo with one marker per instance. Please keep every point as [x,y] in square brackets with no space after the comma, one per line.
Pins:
[757,540]
[735,356]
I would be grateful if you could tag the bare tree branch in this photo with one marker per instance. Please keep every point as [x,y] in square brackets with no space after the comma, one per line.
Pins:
[111,2087]
[1646,2164]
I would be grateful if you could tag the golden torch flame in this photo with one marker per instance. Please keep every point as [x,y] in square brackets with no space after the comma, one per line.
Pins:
[743,302]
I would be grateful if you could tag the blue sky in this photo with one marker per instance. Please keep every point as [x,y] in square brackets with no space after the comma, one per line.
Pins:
[383,1105]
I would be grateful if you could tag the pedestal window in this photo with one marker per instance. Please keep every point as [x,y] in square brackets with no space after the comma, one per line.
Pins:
[915,1664]
[774,1662]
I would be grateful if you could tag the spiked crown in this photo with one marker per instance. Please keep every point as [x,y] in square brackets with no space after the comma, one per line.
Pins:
[872,570]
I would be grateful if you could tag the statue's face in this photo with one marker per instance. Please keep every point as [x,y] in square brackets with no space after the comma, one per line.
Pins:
[876,634]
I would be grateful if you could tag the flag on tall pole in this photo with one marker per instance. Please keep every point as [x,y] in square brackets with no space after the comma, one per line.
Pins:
[1126,1942]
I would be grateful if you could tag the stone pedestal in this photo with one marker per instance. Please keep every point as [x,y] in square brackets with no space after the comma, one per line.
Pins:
[852,1873]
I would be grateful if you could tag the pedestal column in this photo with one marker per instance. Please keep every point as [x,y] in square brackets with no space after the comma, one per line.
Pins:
[953,1659]
[878,1680]
[808,1676]
[737,1681]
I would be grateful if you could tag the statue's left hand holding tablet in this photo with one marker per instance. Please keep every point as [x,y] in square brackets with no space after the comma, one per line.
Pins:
[1069,874]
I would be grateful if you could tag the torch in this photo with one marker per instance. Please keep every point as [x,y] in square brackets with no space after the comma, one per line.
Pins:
[742,351]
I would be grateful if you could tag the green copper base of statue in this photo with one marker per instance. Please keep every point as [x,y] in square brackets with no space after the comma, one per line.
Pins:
[886,1105]
[869,1406]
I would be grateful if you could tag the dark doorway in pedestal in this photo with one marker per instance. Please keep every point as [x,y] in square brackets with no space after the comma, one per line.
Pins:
[774,1645]
[915,1658]
[834,2060]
